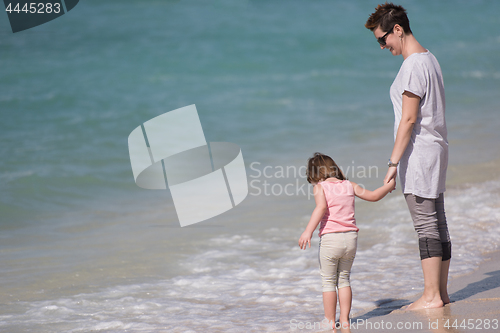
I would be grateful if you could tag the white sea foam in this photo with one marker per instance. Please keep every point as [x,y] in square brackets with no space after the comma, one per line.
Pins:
[242,283]
[10,176]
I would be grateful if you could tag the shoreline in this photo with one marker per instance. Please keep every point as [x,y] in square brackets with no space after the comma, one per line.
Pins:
[475,305]
[91,282]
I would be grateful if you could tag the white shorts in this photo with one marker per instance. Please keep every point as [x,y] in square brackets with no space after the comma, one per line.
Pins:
[336,254]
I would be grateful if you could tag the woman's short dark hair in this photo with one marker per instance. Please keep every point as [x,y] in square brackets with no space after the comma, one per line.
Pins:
[388,15]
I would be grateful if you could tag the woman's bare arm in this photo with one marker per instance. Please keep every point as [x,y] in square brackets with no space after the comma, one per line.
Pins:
[411,103]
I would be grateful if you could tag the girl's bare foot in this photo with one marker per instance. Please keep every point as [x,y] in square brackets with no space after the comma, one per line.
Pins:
[330,324]
[345,326]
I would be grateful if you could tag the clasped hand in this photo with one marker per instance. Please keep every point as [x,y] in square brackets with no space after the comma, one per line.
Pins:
[391,174]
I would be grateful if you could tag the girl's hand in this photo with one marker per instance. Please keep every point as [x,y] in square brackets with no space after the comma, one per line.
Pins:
[304,239]
[317,214]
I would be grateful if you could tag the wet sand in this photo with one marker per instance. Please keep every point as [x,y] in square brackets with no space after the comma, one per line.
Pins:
[474,307]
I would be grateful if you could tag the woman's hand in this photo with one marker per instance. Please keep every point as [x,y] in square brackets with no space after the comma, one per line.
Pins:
[304,239]
[392,183]
[391,174]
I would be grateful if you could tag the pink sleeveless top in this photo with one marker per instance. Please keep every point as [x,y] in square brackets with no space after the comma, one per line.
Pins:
[340,214]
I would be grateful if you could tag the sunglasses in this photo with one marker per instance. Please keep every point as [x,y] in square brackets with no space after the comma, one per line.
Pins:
[382,39]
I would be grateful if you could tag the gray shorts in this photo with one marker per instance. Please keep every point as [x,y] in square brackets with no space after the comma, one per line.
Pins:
[336,254]
[429,220]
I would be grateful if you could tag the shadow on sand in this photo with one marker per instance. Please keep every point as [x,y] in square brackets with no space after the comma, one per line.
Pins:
[387,305]
[384,307]
[489,283]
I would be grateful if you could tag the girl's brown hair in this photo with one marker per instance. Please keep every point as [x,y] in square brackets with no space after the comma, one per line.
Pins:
[321,167]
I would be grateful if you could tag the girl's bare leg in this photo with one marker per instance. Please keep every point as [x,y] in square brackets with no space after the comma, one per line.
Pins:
[330,306]
[345,303]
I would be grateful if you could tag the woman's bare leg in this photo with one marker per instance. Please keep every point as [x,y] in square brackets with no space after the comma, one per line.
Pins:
[443,281]
[431,298]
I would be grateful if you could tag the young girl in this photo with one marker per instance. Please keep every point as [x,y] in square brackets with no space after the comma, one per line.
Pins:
[334,196]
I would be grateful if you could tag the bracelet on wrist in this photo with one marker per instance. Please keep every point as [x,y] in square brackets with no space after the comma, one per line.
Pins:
[390,164]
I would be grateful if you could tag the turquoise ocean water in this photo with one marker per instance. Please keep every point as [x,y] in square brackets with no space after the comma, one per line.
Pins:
[83,248]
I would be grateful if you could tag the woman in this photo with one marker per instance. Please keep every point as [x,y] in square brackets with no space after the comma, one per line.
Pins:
[420,146]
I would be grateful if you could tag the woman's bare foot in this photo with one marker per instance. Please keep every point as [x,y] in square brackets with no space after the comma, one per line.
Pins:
[422,303]
[404,307]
